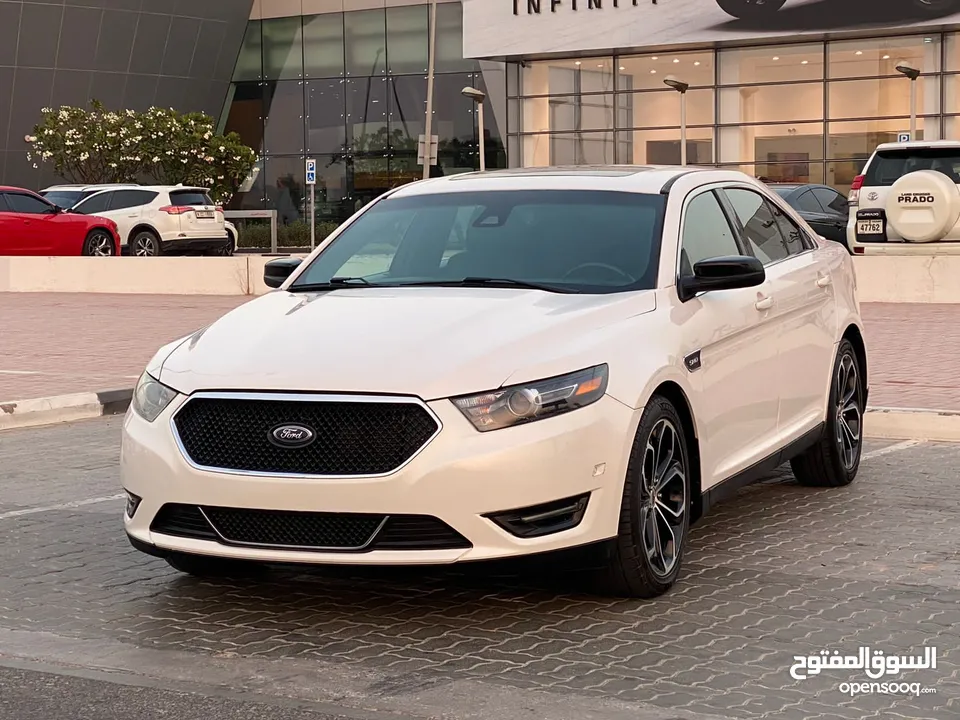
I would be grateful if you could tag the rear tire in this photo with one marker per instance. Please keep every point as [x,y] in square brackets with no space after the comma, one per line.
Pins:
[644,560]
[145,243]
[835,459]
[206,566]
[99,243]
[749,9]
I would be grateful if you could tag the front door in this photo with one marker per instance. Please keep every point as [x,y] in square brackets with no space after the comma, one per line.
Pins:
[37,228]
[731,352]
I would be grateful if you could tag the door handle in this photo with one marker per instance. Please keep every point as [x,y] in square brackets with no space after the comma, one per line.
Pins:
[764,303]
[823,281]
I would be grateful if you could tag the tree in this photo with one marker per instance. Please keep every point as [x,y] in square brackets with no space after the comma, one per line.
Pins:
[160,146]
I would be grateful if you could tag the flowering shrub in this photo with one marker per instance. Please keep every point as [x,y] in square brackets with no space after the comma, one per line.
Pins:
[159,146]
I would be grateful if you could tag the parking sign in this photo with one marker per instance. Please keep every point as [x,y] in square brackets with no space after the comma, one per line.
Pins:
[311,172]
[903,137]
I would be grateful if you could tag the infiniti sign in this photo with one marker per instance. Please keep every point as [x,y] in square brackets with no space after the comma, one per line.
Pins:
[292,436]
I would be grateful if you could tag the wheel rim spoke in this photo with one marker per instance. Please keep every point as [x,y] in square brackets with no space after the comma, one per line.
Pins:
[849,412]
[663,497]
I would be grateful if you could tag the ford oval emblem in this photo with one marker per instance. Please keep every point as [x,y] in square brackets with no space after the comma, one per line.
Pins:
[292,436]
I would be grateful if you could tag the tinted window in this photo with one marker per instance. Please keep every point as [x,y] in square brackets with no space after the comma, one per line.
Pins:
[95,204]
[131,198]
[888,166]
[574,240]
[186,198]
[64,198]
[808,201]
[27,204]
[761,229]
[832,200]
[3,204]
[706,233]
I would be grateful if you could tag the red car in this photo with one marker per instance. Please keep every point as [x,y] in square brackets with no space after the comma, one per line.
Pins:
[31,225]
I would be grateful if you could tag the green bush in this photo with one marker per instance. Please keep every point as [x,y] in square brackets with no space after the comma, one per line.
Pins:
[294,235]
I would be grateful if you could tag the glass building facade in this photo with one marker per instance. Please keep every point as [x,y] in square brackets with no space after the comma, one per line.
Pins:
[350,89]
[809,112]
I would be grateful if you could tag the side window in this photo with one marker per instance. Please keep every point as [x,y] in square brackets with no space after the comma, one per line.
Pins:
[94,204]
[28,204]
[3,204]
[761,226]
[123,199]
[808,201]
[706,233]
[832,200]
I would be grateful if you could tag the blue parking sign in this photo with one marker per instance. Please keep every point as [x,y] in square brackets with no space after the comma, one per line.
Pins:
[311,172]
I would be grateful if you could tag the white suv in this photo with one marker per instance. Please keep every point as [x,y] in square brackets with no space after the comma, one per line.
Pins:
[162,219]
[907,193]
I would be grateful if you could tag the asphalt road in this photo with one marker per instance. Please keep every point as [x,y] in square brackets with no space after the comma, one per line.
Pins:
[89,628]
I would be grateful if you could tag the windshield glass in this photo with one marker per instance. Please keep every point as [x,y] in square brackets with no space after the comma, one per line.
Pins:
[781,190]
[64,198]
[580,241]
[888,166]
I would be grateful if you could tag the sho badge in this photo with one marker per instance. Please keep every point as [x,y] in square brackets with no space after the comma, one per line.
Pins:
[292,436]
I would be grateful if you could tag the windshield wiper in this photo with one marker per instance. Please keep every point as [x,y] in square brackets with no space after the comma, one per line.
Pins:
[333,283]
[493,282]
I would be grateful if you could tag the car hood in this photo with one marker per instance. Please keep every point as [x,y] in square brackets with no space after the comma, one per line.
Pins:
[429,342]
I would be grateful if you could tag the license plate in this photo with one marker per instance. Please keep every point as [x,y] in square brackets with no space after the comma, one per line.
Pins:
[205,214]
[869,227]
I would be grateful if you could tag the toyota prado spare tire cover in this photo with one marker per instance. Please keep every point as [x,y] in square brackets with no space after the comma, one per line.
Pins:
[923,206]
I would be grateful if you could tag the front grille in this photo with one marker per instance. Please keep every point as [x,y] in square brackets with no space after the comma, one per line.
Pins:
[350,438]
[306,530]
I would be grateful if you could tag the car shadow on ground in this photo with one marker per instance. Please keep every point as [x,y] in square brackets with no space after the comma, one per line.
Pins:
[836,15]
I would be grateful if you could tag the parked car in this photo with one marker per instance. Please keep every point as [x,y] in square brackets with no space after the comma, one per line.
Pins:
[603,355]
[906,193]
[762,8]
[161,219]
[824,209]
[66,196]
[32,225]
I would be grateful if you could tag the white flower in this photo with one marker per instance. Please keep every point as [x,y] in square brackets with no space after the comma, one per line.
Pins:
[222,148]
[30,138]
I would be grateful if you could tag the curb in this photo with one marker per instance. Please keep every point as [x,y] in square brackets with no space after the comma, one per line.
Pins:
[880,423]
[63,408]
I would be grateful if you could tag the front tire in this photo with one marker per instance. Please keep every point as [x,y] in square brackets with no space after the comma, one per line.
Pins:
[750,9]
[212,567]
[644,560]
[99,243]
[835,459]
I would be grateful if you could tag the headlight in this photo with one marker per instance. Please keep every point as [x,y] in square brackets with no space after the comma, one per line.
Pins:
[534,400]
[151,397]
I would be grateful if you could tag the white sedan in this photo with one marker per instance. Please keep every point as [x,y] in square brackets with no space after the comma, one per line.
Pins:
[502,364]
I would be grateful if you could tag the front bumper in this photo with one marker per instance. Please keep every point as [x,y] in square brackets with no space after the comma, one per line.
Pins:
[460,477]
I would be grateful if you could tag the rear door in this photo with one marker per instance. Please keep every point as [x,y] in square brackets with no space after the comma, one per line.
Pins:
[199,218]
[126,210]
[11,227]
[803,307]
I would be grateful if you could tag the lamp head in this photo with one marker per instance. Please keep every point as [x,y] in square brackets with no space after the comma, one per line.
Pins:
[678,85]
[905,68]
[477,96]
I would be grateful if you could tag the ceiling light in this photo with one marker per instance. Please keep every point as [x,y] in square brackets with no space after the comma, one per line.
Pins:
[676,60]
[600,65]
[886,57]
[654,58]
[775,57]
[696,62]
[859,52]
[804,62]
[577,63]
[622,68]
[653,72]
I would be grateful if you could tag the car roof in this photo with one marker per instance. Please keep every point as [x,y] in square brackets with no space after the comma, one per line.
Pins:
[919,144]
[102,186]
[10,188]
[647,179]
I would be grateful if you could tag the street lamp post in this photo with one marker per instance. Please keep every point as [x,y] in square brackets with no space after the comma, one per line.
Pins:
[428,123]
[908,70]
[681,87]
[478,96]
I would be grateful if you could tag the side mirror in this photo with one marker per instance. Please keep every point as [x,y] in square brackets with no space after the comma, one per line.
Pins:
[722,273]
[277,271]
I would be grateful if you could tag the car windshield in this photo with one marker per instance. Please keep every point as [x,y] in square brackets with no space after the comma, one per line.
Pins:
[565,240]
[888,166]
[64,198]
[782,190]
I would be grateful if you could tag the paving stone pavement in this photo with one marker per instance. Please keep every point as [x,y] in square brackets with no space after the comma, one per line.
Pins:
[778,571]
[66,343]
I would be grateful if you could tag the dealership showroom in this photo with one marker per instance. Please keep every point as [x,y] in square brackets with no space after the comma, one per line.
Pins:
[349,87]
